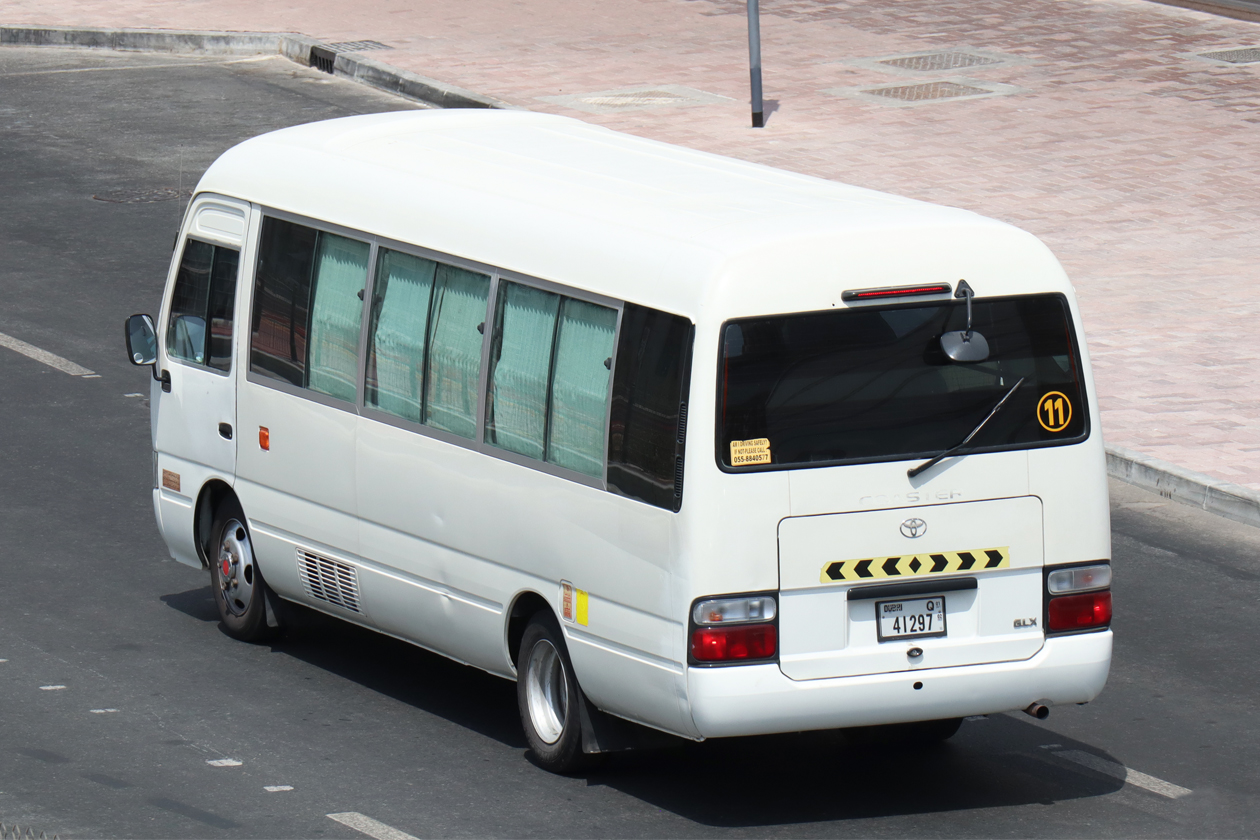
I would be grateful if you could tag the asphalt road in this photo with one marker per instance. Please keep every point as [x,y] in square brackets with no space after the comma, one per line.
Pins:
[117,687]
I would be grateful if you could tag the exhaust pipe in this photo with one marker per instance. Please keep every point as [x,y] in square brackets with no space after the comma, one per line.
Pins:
[1038,710]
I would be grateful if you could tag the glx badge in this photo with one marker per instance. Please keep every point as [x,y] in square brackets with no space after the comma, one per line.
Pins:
[913,528]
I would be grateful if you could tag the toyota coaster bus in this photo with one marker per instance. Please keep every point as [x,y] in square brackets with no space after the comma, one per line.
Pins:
[666,438]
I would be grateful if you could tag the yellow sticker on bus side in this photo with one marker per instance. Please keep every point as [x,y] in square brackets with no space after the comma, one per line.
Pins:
[745,452]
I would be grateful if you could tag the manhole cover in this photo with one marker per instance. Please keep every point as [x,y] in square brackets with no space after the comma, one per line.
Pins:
[634,99]
[932,62]
[927,91]
[357,46]
[141,196]
[1244,55]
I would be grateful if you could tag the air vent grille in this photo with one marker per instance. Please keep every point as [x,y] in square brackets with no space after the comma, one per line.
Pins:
[329,581]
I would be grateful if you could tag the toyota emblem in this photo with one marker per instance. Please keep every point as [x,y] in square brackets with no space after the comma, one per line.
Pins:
[914,528]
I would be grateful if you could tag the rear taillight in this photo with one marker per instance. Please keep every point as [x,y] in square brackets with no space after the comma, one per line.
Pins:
[1079,598]
[739,642]
[738,628]
[1079,612]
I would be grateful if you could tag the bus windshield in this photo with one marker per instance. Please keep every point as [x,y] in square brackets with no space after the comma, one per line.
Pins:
[872,383]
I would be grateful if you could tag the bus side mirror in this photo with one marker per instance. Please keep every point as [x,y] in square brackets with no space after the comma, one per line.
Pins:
[141,340]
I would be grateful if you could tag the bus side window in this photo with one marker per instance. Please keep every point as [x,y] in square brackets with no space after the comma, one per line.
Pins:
[307,308]
[548,386]
[424,342]
[648,423]
[200,325]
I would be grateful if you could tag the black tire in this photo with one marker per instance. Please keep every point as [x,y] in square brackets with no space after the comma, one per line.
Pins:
[548,697]
[240,593]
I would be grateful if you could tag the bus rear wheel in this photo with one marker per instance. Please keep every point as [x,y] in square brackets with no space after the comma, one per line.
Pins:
[240,593]
[548,697]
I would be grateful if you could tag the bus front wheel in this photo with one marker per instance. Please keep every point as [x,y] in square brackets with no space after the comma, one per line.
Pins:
[548,697]
[239,590]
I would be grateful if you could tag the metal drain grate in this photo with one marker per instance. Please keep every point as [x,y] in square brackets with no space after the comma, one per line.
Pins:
[932,62]
[329,581]
[141,196]
[1243,55]
[357,46]
[927,91]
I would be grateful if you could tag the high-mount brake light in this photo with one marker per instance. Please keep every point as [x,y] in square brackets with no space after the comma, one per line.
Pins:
[1079,579]
[896,291]
[740,642]
[1079,612]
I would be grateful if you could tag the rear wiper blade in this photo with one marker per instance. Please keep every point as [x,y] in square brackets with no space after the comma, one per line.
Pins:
[913,471]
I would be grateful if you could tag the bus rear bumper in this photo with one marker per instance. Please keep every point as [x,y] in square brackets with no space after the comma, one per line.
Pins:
[760,699]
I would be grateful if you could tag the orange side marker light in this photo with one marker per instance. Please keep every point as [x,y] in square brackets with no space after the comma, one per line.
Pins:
[264,439]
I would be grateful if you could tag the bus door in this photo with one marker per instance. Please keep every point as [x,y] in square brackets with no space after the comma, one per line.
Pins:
[194,406]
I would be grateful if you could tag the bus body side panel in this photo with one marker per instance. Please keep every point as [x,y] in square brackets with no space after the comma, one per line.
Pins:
[298,493]
[458,534]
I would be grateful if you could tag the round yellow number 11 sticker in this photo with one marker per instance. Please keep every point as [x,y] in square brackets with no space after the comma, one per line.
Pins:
[1054,411]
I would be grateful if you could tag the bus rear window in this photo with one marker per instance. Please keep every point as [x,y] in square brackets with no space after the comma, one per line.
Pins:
[872,384]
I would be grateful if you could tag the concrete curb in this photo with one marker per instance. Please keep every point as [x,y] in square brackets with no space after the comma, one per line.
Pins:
[1186,486]
[295,47]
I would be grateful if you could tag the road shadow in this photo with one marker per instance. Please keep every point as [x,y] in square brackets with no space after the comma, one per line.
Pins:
[197,603]
[461,694]
[824,776]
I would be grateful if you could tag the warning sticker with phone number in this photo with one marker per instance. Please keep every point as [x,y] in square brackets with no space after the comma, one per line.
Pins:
[745,452]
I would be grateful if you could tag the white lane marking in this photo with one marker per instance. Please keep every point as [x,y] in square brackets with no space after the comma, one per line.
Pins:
[1052,746]
[277,788]
[1119,771]
[370,827]
[17,345]
[101,711]
[133,395]
[51,687]
[4,660]
[223,762]
[977,717]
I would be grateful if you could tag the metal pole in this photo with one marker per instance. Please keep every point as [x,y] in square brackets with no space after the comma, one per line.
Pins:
[754,61]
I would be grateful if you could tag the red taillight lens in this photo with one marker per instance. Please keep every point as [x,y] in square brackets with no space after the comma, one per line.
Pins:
[743,641]
[1080,612]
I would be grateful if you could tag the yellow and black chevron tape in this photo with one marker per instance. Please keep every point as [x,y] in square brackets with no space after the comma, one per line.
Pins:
[917,565]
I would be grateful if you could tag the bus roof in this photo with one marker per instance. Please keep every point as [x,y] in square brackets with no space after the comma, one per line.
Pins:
[578,204]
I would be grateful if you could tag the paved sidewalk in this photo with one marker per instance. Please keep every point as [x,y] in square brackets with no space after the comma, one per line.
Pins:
[1138,163]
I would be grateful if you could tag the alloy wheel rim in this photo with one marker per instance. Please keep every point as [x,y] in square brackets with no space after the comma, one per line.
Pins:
[236,570]
[547,691]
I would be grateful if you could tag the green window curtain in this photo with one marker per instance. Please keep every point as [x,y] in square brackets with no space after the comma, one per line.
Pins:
[400,317]
[579,387]
[454,358]
[341,266]
[521,362]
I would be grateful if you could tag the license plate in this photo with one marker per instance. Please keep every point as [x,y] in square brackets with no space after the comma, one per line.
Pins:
[915,618]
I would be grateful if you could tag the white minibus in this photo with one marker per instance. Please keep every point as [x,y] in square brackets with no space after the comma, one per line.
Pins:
[679,443]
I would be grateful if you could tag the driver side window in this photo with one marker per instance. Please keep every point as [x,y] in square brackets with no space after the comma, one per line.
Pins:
[200,326]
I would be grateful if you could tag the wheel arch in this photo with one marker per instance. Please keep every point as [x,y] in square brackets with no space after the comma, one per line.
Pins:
[212,494]
[525,606]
